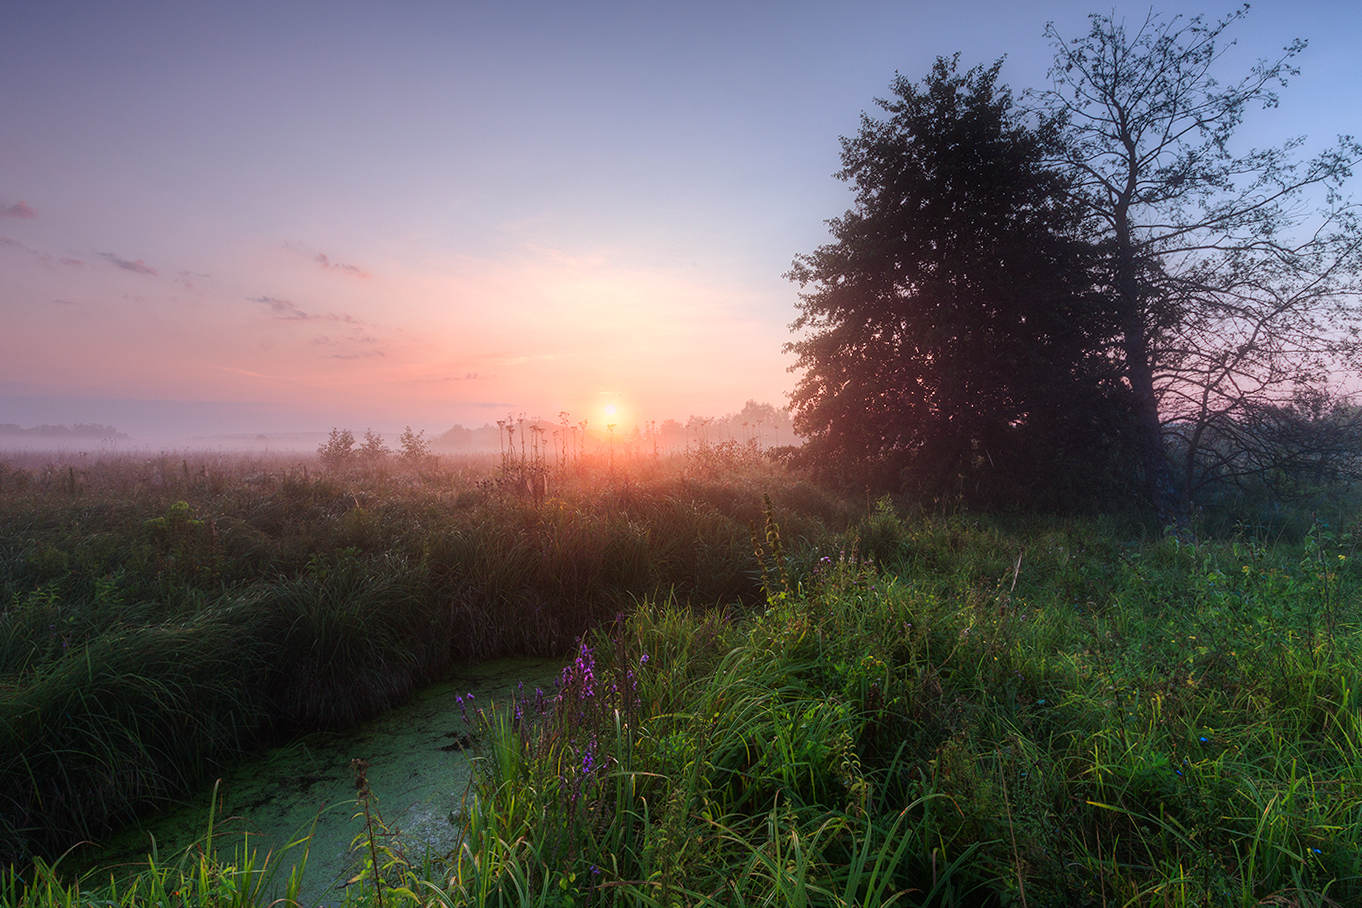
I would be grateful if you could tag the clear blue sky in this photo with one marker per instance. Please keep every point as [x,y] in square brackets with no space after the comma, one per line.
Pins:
[301,215]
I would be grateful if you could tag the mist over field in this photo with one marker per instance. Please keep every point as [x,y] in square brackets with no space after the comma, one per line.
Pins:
[154,426]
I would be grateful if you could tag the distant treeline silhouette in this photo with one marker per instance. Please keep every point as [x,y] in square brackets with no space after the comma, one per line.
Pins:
[79,430]
[762,424]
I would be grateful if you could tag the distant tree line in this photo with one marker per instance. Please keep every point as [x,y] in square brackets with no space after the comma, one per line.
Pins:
[762,425]
[1091,296]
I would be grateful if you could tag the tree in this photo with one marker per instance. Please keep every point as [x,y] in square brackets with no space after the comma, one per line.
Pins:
[1234,272]
[373,452]
[952,332]
[337,450]
[415,447]
[1287,451]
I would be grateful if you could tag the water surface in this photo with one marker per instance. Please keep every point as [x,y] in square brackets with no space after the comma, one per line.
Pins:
[419,769]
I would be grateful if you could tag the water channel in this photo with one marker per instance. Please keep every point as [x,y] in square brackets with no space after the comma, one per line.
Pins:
[420,765]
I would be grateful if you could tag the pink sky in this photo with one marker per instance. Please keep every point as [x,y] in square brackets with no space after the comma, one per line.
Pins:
[434,213]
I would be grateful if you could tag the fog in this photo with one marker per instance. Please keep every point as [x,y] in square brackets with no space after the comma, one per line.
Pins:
[98,427]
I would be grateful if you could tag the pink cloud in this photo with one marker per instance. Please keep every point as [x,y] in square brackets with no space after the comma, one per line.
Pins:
[18,210]
[139,266]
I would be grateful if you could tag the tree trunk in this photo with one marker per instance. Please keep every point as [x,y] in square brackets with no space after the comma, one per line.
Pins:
[1159,484]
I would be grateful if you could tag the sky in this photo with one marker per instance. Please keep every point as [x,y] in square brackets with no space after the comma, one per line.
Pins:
[239,217]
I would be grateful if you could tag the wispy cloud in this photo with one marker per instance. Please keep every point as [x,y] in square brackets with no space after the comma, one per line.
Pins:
[18,210]
[138,266]
[327,340]
[352,347]
[353,270]
[467,376]
[291,311]
[187,278]
[283,309]
[46,257]
[10,243]
[325,262]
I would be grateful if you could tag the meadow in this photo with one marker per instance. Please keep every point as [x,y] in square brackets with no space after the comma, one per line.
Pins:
[774,695]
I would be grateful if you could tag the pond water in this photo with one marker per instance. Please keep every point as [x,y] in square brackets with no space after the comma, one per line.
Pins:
[419,769]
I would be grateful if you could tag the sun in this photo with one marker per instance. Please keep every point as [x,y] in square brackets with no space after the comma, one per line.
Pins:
[610,409]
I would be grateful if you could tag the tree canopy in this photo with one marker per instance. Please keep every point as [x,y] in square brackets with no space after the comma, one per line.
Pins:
[954,338]
[1235,271]
[1102,283]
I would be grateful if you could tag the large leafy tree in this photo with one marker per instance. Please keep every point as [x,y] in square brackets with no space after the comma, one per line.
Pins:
[953,336]
[1233,270]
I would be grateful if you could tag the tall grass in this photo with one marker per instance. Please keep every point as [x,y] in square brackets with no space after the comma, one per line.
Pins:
[779,700]
[983,718]
[158,619]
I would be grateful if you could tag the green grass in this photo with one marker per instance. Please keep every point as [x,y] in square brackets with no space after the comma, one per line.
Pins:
[988,717]
[160,619]
[774,701]
[204,876]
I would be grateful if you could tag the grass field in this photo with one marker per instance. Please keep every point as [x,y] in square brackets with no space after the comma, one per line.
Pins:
[784,700]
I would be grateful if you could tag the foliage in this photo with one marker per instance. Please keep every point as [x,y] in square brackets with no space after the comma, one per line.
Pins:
[953,339]
[415,446]
[1305,450]
[338,449]
[373,451]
